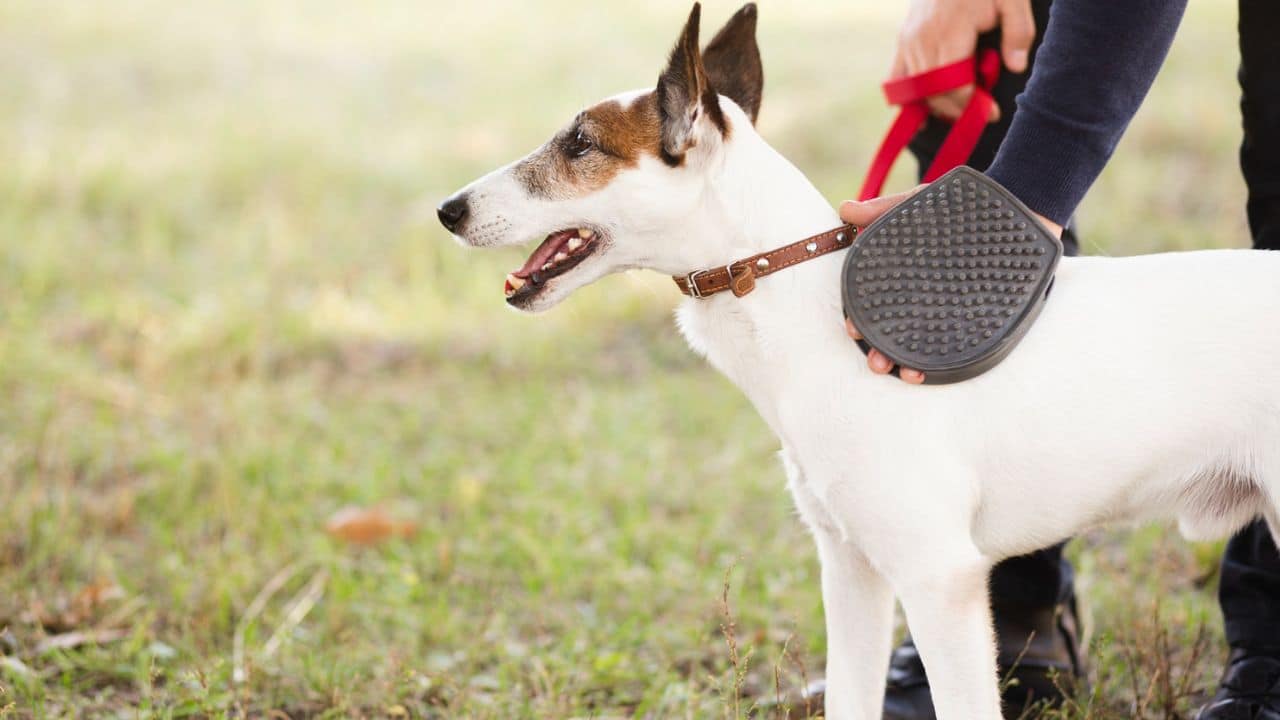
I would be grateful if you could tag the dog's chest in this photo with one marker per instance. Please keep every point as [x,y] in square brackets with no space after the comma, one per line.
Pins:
[755,361]
[807,498]
[733,343]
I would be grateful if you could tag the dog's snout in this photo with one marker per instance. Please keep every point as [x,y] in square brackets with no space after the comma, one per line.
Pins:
[452,212]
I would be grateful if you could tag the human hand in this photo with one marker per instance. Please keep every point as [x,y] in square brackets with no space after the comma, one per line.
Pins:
[940,32]
[862,214]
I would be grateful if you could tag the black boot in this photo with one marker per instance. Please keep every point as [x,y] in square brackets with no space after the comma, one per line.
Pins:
[1250,689]
[1039,660]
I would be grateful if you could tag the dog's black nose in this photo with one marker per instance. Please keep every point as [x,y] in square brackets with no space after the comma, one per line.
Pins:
[452,212]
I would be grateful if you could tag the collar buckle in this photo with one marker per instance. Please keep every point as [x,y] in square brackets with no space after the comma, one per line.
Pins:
[692,281]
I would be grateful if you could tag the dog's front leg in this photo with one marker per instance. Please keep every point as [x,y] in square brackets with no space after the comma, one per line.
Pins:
[859,611]
[949,613]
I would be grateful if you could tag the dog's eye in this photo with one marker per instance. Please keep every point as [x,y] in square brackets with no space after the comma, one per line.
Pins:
[578,145]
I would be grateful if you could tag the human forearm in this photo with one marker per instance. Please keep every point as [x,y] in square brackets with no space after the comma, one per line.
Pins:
[1094,68]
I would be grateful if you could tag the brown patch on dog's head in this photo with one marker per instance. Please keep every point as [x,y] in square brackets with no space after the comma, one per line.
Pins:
[601,142]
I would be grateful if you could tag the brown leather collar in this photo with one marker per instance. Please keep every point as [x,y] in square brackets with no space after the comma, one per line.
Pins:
[740,276]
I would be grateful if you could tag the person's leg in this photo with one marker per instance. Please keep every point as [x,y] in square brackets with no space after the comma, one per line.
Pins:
[1260,112]
[1250,585]
[1032,596]
[1249,589]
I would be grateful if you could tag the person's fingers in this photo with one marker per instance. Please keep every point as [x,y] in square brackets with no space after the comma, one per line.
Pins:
[878,363]
[1017,32]
[881,364]
[911,376]
[861,214]
[899,67]
[915,59]
[949,105]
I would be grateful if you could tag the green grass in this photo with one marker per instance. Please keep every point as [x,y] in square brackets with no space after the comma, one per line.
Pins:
[226,312]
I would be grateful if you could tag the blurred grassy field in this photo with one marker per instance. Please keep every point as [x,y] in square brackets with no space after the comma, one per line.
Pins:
[226,312]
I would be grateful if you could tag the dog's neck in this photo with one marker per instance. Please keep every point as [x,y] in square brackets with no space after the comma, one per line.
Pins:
[759,201]
[755,200]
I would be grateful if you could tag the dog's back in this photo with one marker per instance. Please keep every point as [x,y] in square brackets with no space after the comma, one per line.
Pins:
[1148,387]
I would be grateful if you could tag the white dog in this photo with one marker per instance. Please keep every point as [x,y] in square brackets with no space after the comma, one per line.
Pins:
[1148,388]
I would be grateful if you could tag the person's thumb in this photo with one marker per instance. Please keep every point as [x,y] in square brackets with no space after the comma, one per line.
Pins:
[861,214]
[1017,32]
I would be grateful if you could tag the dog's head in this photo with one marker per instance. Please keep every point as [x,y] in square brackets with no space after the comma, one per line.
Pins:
[622,184]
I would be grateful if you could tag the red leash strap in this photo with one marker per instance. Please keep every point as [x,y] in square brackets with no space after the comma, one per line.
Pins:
[911,93]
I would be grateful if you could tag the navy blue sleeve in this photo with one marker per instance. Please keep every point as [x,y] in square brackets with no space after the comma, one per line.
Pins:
[1092,71]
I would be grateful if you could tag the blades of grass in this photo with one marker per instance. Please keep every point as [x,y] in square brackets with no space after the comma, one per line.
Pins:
[299,606]
[239,672]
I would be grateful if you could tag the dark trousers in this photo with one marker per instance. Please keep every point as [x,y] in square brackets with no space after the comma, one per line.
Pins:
[1249,590]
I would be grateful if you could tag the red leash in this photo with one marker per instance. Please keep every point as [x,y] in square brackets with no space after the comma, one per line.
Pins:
[911,93]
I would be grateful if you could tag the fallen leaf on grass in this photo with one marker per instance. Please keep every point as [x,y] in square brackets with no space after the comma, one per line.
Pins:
[367,526]
[60,614]
[94,595]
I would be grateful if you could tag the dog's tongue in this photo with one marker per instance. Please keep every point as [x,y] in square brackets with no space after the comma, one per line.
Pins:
[543,254]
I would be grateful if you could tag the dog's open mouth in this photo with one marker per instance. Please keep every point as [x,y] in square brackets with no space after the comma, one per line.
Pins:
[558,254]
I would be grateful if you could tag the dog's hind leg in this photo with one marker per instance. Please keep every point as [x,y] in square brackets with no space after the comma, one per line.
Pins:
[859,613]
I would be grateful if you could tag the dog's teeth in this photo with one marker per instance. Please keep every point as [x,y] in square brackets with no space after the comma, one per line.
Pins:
[547,266]
[575,243]
[585,234]
[515,282]
[561,257]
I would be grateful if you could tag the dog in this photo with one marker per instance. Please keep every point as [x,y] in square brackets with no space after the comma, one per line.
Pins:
[1147,389]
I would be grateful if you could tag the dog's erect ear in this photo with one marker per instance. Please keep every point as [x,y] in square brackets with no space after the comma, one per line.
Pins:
[685,94]
[732,61]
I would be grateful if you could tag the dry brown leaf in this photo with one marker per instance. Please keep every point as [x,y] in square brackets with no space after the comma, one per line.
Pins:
[61,614]
[93,596]
[367,526]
